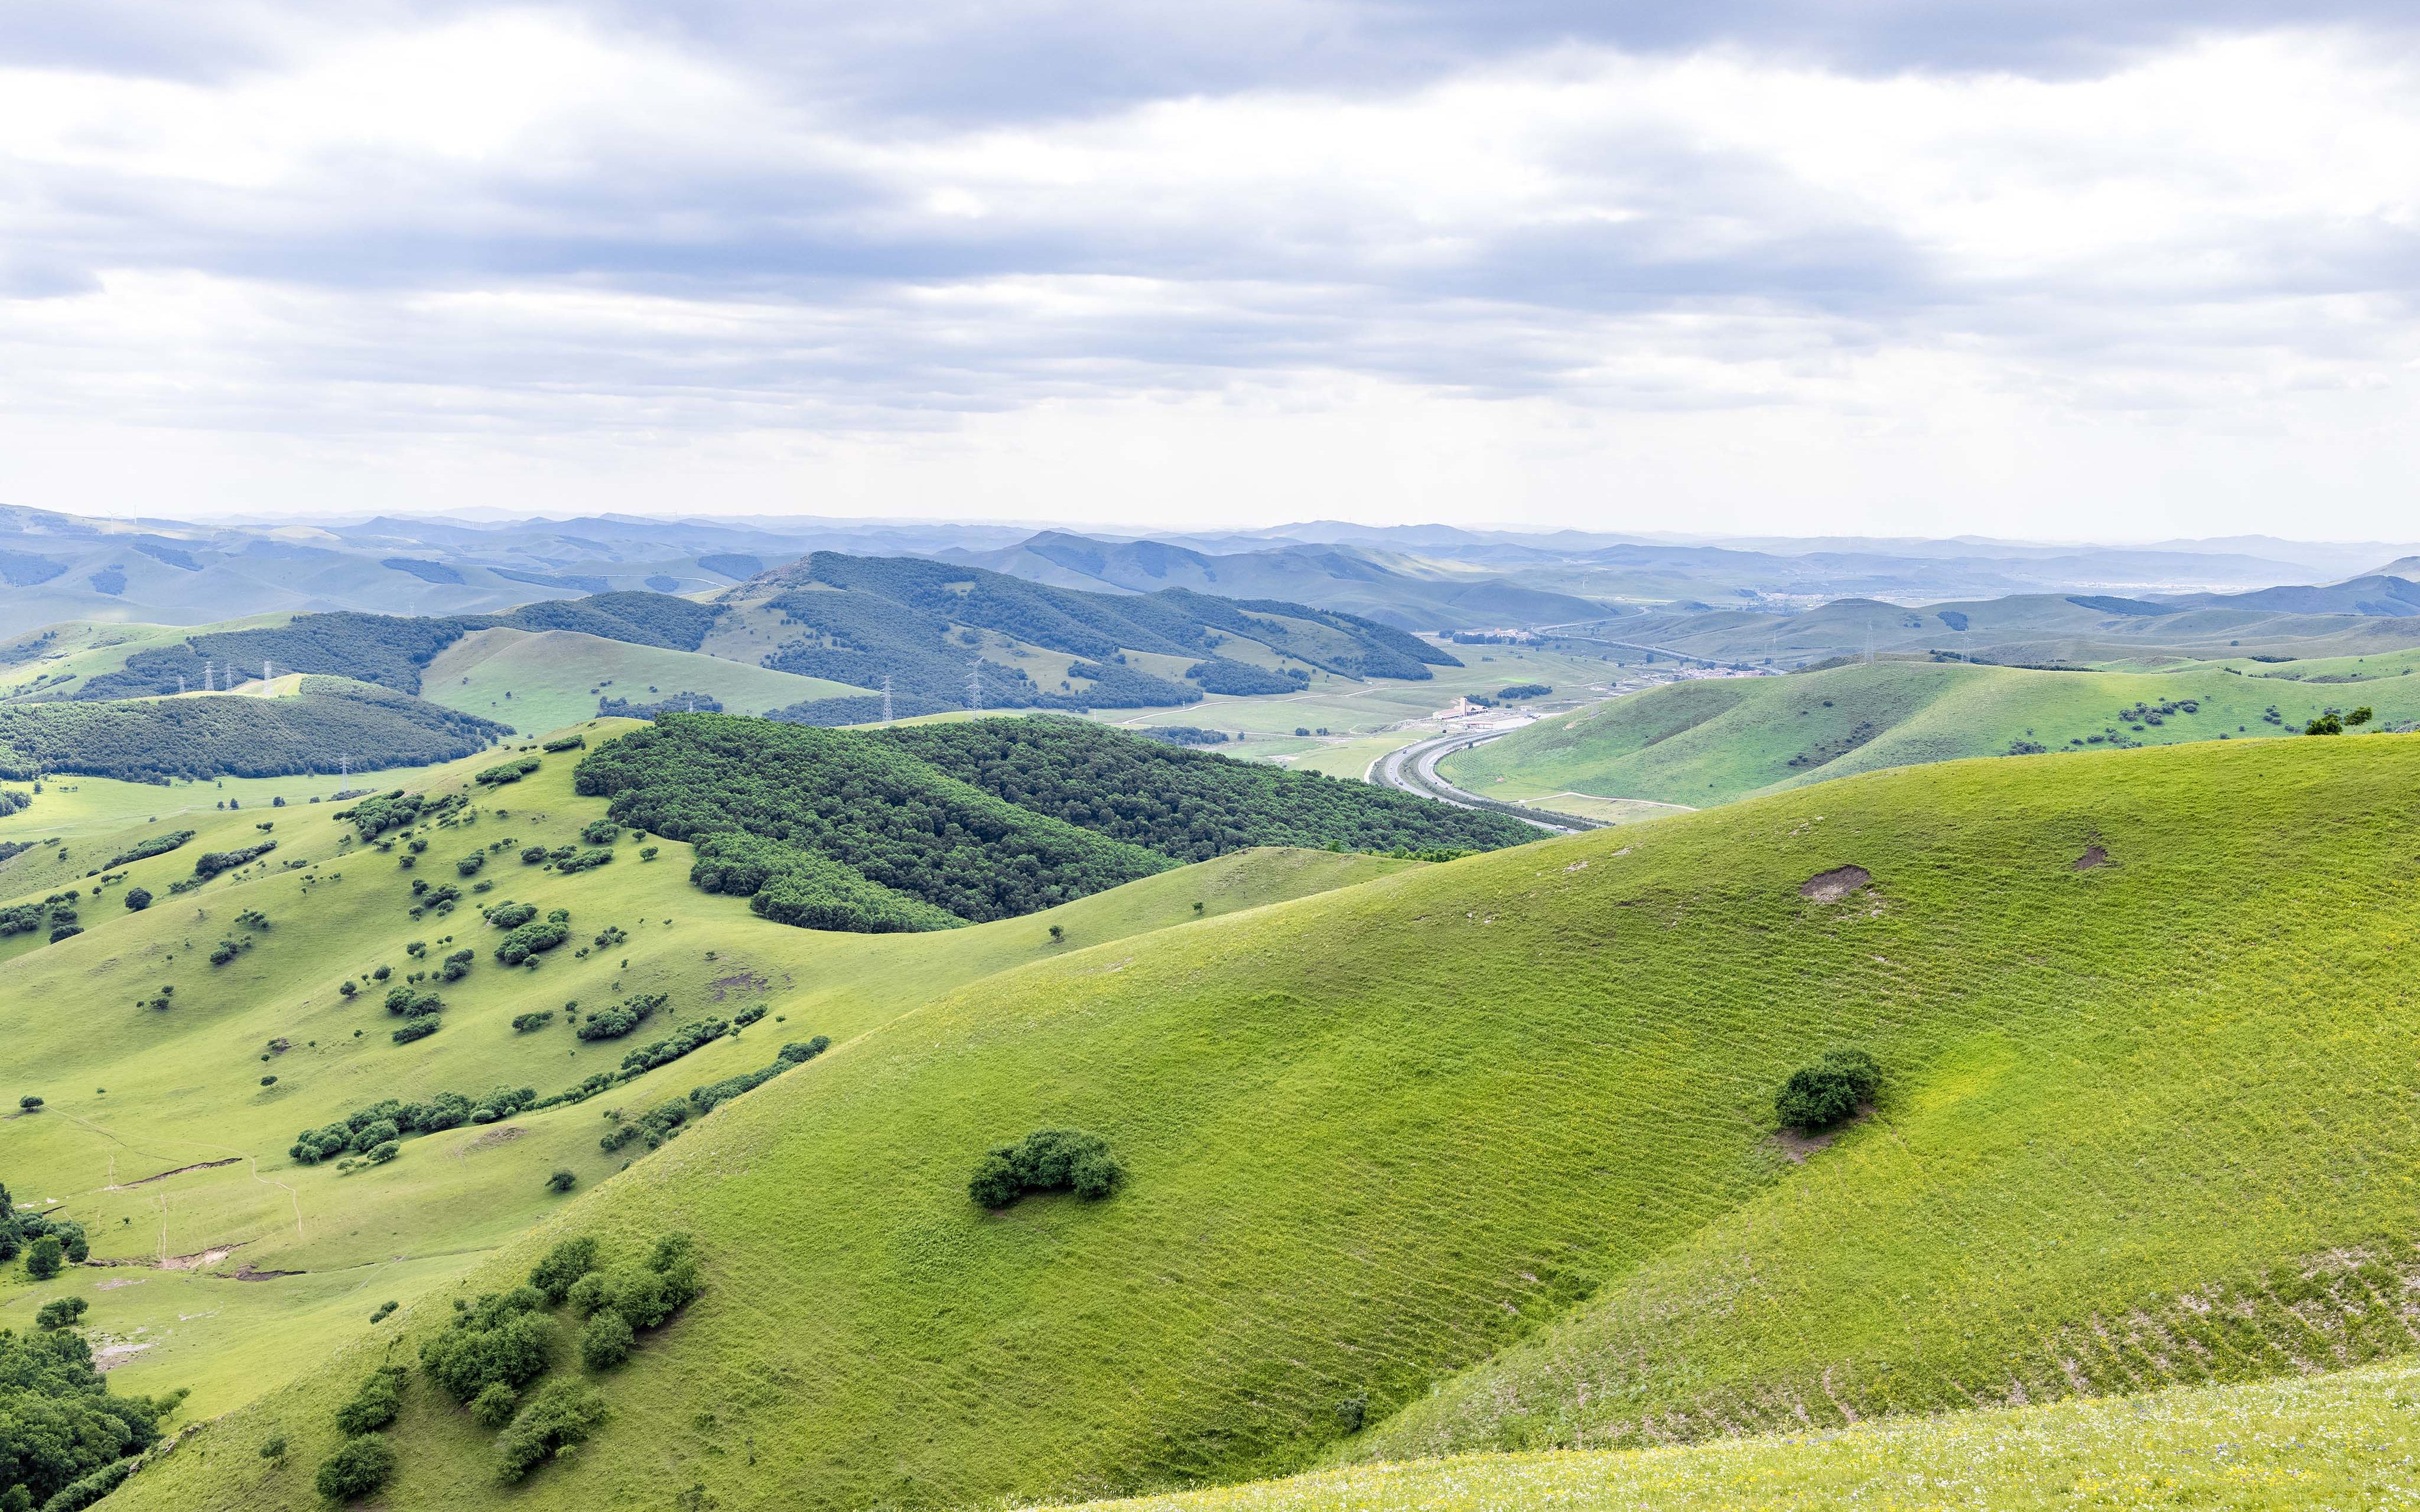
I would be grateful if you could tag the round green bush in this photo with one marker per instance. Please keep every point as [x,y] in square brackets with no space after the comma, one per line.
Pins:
[493,1406]
[1829,1091]
[360,1467]
[605,1343]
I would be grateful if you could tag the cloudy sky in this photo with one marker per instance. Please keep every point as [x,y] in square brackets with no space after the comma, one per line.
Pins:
[2107,269]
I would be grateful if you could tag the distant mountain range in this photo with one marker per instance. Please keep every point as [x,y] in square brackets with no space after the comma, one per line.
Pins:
[60,567]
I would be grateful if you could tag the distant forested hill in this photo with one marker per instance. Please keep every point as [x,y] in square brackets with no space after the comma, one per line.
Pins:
[919,829]
[391,649]
[1191,805]
[152,740]
[921,623]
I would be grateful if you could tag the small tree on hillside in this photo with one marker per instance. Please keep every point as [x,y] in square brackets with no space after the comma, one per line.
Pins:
[1829,1091]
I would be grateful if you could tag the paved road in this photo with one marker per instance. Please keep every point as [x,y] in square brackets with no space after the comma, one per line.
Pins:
[1412,769]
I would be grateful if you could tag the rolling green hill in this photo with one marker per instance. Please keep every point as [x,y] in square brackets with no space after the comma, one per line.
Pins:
[159,1135]
[906,829]
[1712,741]
[327,722]
[547,679]
[1488,1149]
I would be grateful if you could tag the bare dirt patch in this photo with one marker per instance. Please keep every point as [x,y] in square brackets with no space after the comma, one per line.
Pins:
[248,1273]
[122,1281]
[1833,886]
[110,1356]
[2093,856]
[205,1166]
[503,1134]
[1799,1146]
[200,1260]
[745,981]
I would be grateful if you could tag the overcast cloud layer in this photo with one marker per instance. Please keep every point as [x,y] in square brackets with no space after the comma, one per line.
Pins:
[2053,269]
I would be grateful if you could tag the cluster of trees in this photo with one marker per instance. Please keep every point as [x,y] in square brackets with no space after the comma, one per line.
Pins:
[65,1440]
[1221,675]
[393,650]
[211,863]
[1183,735]
[686,702]
[55,913]
[522,941]
[13,802]
[494,1359]
[397,809]
[1046,1160]
[919,623]
[614,1021]
[664,1051]
[363,1130]
[156,740]
[512,771]
[144,849]
[1524,690]
[808,890]
[666,1119]
[863,805]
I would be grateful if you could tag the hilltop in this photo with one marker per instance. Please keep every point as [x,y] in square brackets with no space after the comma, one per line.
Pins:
[1715,740]
[1486,1152]
[313,724]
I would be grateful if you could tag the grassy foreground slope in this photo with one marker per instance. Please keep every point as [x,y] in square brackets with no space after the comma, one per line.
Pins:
[1710,742]
[2349,1438]
[1519,1106]
[160,1136]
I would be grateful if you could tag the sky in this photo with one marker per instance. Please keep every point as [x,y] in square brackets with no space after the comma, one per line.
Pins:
[2076,268]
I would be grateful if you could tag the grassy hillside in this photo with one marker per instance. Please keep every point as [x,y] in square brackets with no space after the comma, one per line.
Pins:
[2038,627]
[548,679]
[136,1092]
[1710,742]
[2142,1120]
[2330,1441]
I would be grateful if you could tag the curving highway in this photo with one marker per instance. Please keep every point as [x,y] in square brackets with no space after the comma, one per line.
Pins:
[1412,769]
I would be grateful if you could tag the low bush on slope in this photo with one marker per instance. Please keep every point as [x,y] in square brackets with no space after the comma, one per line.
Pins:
[1375,1138]
[919,829]
[153,740]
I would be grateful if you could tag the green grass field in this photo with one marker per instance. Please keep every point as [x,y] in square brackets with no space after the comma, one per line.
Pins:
[2344,1440]
[134,1092]
[1490,1145]
[548,679]
[1700,743]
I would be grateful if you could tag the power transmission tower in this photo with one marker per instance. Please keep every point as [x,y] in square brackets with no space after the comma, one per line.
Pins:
[974,685]
[886,698]
[205,678]
[265,690]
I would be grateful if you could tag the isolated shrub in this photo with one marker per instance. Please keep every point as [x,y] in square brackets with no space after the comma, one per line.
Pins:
[30,1102]
[606,1341]
[600,832]
[1048,1160]
[564,1264]
[1352,1412]
[533,855]
[137,899]
[560,1414]
[2360,717]
[273,1447]
[376,1404]
[469,865]
[2326,724]
[60,1312]
[562,1180]
[42,1258]
[360,1467]
[1829,1091]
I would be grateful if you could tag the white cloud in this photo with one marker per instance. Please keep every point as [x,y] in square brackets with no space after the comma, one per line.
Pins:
[502,242]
